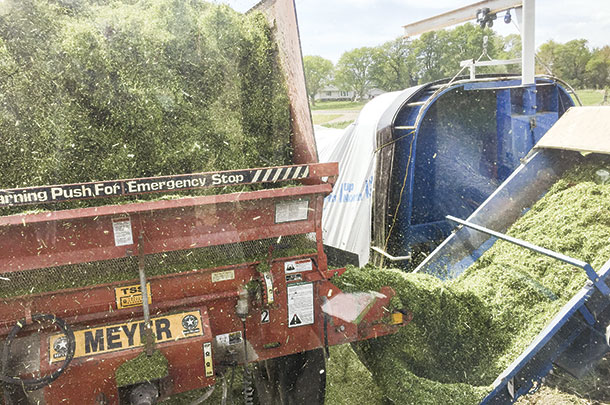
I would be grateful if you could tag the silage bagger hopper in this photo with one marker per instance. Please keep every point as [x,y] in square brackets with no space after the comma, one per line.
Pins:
[491,121]
[135,302]
[577,337]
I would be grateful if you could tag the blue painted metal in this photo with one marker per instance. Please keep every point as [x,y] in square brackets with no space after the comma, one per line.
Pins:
[470,136]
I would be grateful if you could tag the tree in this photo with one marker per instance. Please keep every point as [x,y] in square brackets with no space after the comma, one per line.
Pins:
[431,50]
[394,65]
[467,42]
[597,71]
[439,53]
[353,71]
[547,57]
[571,62]
[318,73]
[508,47]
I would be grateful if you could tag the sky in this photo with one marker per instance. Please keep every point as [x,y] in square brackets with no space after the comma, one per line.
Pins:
[330,27]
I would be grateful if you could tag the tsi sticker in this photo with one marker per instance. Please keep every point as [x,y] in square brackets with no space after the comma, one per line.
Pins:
[300,304]
[298,266]
[127,335]
[131,296]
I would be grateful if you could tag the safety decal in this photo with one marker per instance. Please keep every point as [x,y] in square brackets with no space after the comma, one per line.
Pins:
[289,211]
[297,266]
[223,276]
[300,304]
[122,231]
[207,359]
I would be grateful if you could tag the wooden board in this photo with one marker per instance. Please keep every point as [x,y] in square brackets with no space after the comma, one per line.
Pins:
[583,129]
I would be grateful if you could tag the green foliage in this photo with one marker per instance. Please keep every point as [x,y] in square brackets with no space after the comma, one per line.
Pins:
[318,73]
[571,62]
[508,47]
[353,71]
[95,90]
[439,52]
[597,71]
[465,332]
[394,65]
[436,55]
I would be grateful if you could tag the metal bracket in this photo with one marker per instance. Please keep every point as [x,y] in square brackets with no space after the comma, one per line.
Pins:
[389,256]
[268,286]
[599,283]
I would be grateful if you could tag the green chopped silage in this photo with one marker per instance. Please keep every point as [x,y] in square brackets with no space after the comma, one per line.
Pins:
[348,381]
[465,332]
[107,89]
[142,368]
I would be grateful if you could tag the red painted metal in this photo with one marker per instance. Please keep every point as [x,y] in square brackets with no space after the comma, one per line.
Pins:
[85,235]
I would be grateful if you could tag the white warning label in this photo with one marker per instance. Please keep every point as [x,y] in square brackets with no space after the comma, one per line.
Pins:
[122,231]
[223,276]
[288,211]
[300,304]
[298,266]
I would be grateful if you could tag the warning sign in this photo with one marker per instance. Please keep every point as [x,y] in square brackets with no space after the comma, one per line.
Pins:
[300,304]
[122,231]
[288,211]
[297,266]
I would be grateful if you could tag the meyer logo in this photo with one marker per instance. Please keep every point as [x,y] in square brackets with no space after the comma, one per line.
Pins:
[112,338]
[131,296]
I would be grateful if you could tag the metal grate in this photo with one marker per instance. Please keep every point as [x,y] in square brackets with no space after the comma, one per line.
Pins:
[126,268]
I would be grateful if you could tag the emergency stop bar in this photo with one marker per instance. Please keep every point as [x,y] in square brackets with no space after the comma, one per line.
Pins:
[164,184]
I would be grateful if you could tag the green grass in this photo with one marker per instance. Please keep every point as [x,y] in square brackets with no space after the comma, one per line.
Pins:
[320,119]
[339,125]
[338,105]
[590,97]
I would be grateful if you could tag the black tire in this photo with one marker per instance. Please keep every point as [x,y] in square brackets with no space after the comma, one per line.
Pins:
[292,380]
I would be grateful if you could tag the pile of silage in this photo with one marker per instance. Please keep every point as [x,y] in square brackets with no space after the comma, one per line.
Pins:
[467,331]
[106,89]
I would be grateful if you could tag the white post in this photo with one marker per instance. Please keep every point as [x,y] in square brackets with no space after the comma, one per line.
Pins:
[528,42]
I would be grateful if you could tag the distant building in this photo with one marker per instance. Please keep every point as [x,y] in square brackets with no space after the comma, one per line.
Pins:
[333,93]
